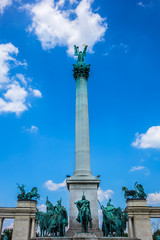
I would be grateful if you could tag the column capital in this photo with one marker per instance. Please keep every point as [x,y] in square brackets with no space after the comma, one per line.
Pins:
[81,70]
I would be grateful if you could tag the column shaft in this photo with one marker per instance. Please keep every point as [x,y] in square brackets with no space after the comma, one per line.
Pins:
[130,227]
[33,228]
[82,145]
[1,225]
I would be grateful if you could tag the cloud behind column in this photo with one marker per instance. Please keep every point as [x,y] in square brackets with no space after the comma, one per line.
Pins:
[65,23]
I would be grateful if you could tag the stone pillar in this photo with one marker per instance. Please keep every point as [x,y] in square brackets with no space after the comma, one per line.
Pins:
[82,144]
[25,210]
[33,228]
[1,226]
[140,227]
[76,189]
[82,180]
[130,227]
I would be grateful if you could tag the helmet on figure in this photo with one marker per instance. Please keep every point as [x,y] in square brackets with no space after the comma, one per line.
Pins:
[83,197]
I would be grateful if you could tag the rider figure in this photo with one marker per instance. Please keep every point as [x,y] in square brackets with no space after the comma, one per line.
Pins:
[58,206]
[23,192]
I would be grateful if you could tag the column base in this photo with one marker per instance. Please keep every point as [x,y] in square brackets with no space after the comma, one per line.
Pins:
[76,187]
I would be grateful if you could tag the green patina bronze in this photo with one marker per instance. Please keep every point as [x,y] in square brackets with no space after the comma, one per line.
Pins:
[158,237]
[80,69]
[84,213]
[5,237]
[114,220]
[53,221]
[27,196]
[138,193]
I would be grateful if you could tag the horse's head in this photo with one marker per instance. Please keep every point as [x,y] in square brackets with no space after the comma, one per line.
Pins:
[34,190]
[124,189]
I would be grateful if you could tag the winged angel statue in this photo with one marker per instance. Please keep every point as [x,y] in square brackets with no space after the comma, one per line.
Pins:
[80,54]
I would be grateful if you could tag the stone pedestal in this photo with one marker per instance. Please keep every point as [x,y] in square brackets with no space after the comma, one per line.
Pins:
[76,189]
[24,226]
[139,225]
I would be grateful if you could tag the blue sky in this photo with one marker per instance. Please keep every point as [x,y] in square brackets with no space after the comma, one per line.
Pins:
[37,95]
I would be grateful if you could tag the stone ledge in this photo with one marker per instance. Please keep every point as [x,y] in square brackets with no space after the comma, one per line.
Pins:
[83,238]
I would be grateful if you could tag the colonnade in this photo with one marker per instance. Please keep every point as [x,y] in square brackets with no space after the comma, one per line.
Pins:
[24,216]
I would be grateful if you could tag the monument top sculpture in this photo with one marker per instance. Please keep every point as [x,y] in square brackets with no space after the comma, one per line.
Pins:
[80,54]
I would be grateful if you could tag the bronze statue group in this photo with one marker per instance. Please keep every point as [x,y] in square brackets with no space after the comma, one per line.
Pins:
[54,221]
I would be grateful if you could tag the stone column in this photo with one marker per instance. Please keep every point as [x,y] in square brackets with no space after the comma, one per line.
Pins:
[33,228]
[1,225]
[82,180]
[130,227]
[25,210]
[82,144]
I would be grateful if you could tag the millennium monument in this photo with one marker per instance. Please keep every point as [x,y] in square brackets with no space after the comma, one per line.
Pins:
[82,179]
[83,221]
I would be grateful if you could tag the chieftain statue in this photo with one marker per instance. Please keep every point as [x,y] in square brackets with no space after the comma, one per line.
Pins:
[84,213]
[138,193]
[54,220]
[27,196]
[114,220]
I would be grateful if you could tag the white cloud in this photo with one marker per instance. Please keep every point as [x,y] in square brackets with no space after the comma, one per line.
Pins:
[140,4]
[7,224]
[14,99]
[56,26]
[33,129]
[138,168]
[51,186]
[121,46]
[145,5]
[6,59]
[102,195]
[4,4]
[42,208]
[153,198]
[37,93]
[150,139]
[14,88]
[22,78]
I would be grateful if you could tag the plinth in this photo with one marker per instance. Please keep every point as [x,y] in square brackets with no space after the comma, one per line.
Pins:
[76,189]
